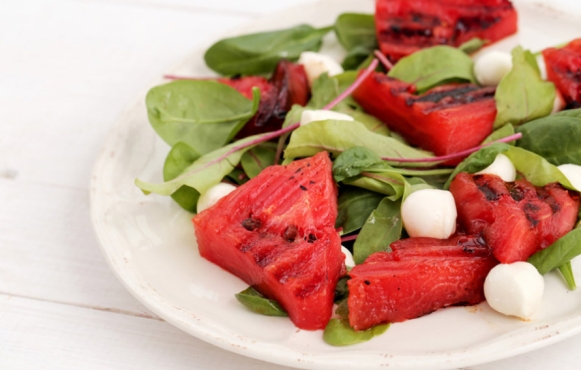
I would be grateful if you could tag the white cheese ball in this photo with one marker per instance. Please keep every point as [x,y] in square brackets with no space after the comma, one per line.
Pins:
[309,116]
[501,167]
[559,103]
[491,67]
[573,173]
[349,261]
[429,213]
[514,289]
[316,64]
[213,195]
[542,66]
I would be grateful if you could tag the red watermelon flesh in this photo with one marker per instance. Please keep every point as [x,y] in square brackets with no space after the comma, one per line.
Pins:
[276,232]
[564,70]
[405,26]
[516,219]
[431,274]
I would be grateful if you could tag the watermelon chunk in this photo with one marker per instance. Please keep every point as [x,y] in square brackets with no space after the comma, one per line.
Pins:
[405,26]
[277,233]
[420,276]
[564,70]
[516,219]
[434,120]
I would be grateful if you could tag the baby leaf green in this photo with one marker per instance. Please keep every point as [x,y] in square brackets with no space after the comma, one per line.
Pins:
[356,33]
[258,53]
[203,114]
[434,66]
[472,45]
[339,333]
[258,304]
[522,95]
[560,252]
[567,272]
[257,159]
[180,157]
[353,161]
[355,205]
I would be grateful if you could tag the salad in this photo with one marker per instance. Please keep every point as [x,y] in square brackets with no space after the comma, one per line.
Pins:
[196,163]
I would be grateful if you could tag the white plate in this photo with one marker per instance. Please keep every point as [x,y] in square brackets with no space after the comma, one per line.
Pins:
[150,245]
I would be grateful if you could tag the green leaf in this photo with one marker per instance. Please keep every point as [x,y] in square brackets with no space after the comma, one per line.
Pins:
[203,114]
[258,53]
[339,333]
[504,131]
[557,138]
[382,228]
[338,136]
[356,33]
[206,171]
[388,182]
[567,272]
[355,206]
[522,95]
[257,159]
[180,157]
[472,45]
[353,161]
[535,168]
[434,66]
[560,252]
[258,304]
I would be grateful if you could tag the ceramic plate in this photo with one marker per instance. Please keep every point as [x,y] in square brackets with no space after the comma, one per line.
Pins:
[150,245]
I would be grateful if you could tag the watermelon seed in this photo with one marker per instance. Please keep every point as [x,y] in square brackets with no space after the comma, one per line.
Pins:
[312,238]
[251,224]
[367,282]
[290,233]
[303,188]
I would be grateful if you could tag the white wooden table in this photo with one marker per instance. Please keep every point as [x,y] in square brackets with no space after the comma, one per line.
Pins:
[67,70]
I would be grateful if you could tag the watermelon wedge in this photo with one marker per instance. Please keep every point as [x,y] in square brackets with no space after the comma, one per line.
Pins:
[418,277]
[277,233]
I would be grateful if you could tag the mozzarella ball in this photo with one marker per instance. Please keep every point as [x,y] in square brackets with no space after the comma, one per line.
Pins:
[559,102]
[429,213]
[309,116]
[501,167]
[514,289]
[573,173]
[316,64]
[213,195]
[349,261]
[491,67]
[542,67]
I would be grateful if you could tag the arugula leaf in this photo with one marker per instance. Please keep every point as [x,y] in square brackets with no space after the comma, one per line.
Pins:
[338,136]
[522,95]
[560,252]
[434,66]
[567,272]
[180,157]
[203,114]
[257,303]
[339,333]
[356,33]
[557,138]
[382,228]
[472,45]
[258,53]
[257,159]
[355,205]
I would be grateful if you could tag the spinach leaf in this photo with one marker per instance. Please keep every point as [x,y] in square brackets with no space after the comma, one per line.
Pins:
[522,95]
[353,161]
[339,333]
[206,171]
[180,157]
[434,66]
[382,228]
[535,168]
[257,303]
[478,161]
[257,159]
[258,53]
[560,252]
[472,45]
[388,182]
[567,272]
[500,133]
[338,136]
[203,114]
[557,138]
[355,205]
[356,33]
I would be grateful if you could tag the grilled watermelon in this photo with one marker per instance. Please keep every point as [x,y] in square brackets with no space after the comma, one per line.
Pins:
[564,70]
[405,26]
[418,277]
[276,232]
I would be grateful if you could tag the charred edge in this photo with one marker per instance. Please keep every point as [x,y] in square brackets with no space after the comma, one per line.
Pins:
[534,222]
[251,224]
[517,194]
[555,207]
[466,24]
[290,234]
[488,192]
